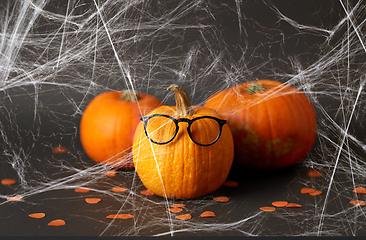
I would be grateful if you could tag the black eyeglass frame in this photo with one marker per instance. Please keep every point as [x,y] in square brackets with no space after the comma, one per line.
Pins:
[145,119]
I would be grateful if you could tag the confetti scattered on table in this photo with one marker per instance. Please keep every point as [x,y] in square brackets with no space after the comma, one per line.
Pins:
[37,215]
[119,189]
[184,217]
[177,205]
[120,216]
[293,205]
[59,149]
[315,192]
[82,190]
[280,203]
[231,184]
[175,209]
[306,190]
[221,199]
[147,192]
[267,209]
[359,190]
[357,203]
[314,173]
[110,173]
[8,181]
[57,223]
[208,214]
[15,198]
[92,200]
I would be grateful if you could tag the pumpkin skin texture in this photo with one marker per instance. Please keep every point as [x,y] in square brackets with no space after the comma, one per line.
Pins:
[273,124]
[181,168]
[108,125]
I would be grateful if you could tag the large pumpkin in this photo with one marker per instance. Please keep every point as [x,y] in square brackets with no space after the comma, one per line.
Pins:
[108,125]
[273,124]
[180,162]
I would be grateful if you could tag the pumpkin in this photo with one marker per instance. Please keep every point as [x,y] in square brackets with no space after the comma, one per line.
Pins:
[273,124]
[184,160]
[108,125]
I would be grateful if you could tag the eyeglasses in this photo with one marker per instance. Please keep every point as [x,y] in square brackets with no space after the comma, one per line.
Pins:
[162,129]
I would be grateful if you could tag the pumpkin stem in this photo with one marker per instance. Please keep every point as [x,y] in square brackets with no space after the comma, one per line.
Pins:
[255,87]
[182,101]
[130,96]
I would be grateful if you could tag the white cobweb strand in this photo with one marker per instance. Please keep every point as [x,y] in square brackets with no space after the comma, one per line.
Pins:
[121,44]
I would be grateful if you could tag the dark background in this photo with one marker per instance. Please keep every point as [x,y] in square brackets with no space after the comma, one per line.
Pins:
[57,55]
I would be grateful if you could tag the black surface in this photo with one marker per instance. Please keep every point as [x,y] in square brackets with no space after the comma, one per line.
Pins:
[41,108]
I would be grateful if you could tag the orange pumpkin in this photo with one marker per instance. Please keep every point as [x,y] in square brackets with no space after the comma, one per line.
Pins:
[108,125]
[182,151]
[273,124]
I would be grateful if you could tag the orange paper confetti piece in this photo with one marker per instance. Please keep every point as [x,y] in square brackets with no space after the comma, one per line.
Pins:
[359,190]
[221,199]
[177,205]
[57,223]
[147,192]
[119,189]
[120,216]
[110,173]
[8,181]
[280,203]
[357,203]
[315,192]
[184,217]
[231,184]
[92,200]
[208,214]
[82,190]
[267,209]
[293,205]
[306,190]
[314,173]
[37,215]
[15,198]
[59,150]
[175,209]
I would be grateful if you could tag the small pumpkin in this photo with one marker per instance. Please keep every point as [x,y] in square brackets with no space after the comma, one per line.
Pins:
[182,151]
[108,125]
[273,124]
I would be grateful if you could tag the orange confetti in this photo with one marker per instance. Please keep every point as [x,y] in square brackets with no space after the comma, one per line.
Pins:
[314,173]
[119,189]
[175,209]
[92,200]
[208,214]
[359,190]
[280,204]
[147,192]
[82,190]
[177,205]
[267,209]
[110,173]
[37,215]
[57,223]
[184,217]
[293,205]
[120,216]
[231,184]
[59,150]
[15,198]
[357,203]
[306,190]
[221,199]
[8,181]
[315,192]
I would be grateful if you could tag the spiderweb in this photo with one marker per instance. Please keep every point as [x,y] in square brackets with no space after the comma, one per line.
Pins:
[55,56]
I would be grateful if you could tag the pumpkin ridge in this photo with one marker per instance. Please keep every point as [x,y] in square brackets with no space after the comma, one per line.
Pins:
[270,131]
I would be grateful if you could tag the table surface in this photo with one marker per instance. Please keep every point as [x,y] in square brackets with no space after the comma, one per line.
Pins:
[58,55]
